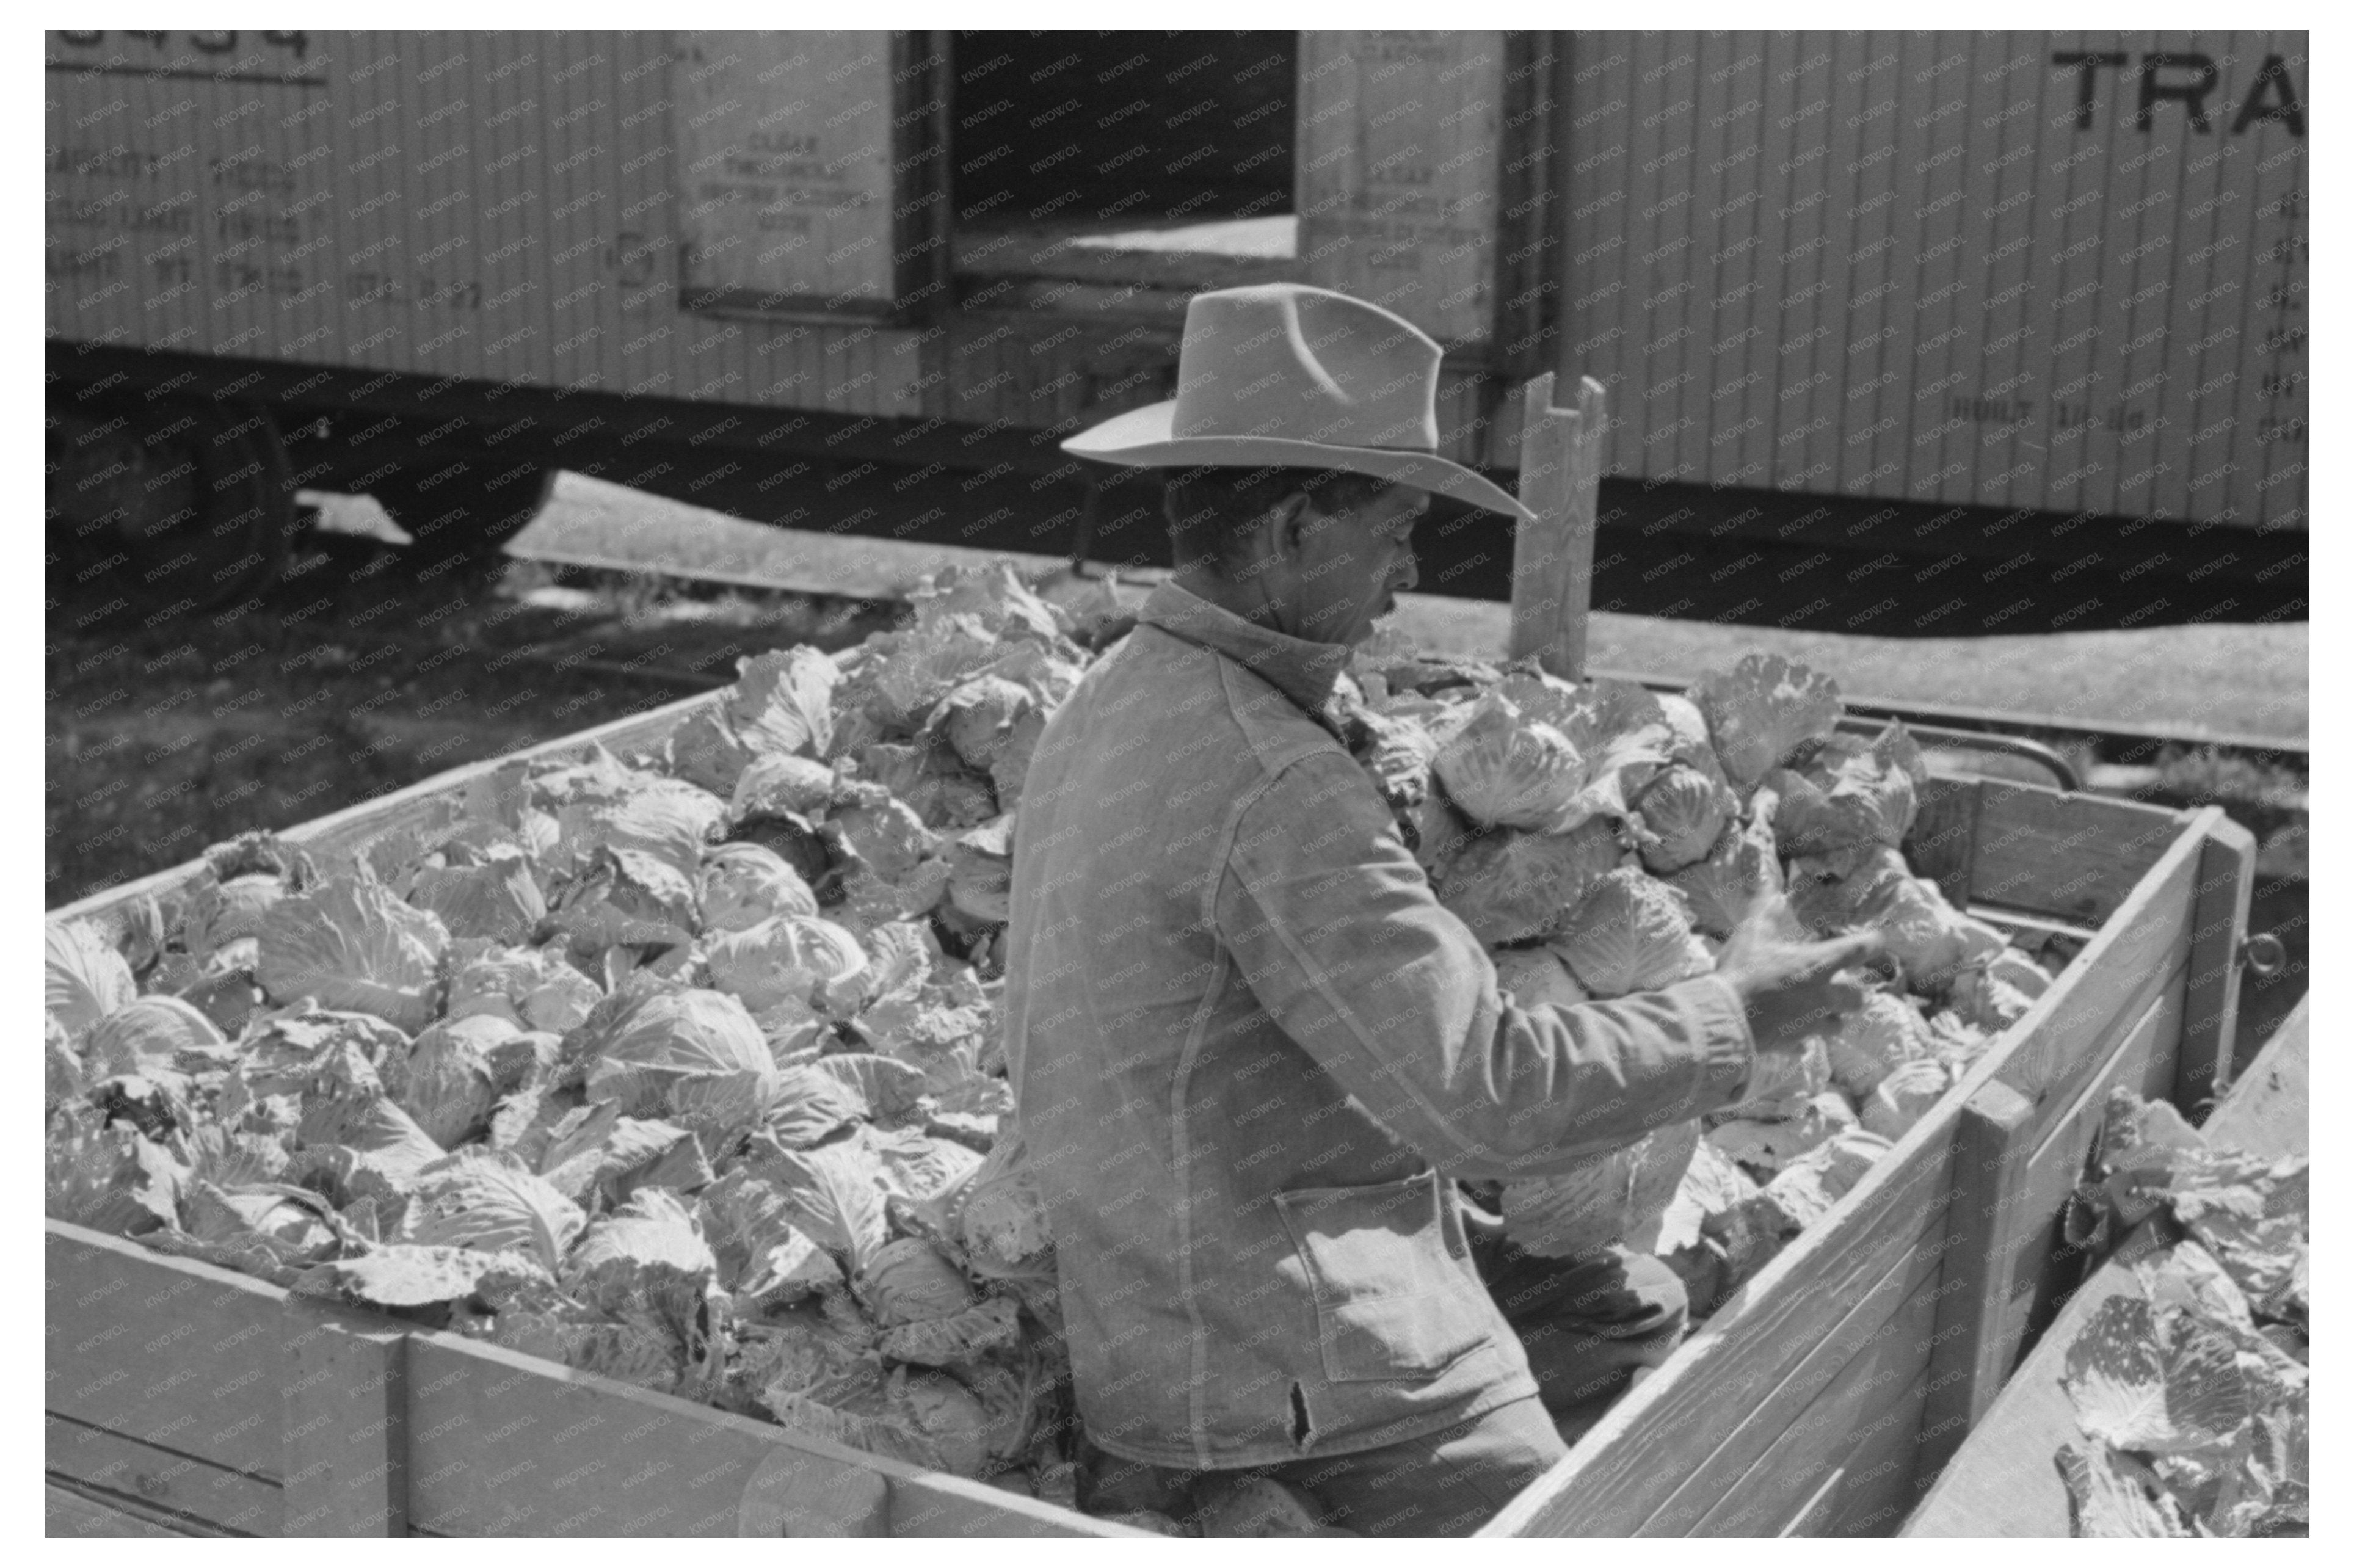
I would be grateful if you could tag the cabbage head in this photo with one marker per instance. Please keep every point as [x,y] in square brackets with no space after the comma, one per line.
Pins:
[86,978]
[1874,1041]
[782,958]
[1503,770]
[996,600]
[1396,753]
[1631,933]
[1741,863]
[915,669]
[986,718]
[1923,933]
[67,1079]
[1849,794]
[1003,1215]
[1688,741]
[1982,996]
[1506,886]
[531,987]
[782,701]
[488,1203]
[625,898]
[1608,1196]
[907,1282]
[1534,975]
[926,774]
[886,834]
[744,883]
[783,781]
[109,1178]
[445,1081]
[665,818]
[219,913]
[1436,831]
[495,896]
[1763,710]
[980,870]
[355,948]
[1904,1098]
[1616,727]
[705,751]
[919,1418]
[150,1032]
[676,1032]
[1679,817]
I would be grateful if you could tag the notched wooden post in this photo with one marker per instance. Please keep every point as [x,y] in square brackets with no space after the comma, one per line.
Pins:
[2227,879]
[345,1439]
[1552,557]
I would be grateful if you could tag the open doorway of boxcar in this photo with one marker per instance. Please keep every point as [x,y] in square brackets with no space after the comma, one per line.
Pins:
[1171,142]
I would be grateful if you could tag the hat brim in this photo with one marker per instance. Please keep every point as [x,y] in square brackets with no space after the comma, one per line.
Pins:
[1141,438]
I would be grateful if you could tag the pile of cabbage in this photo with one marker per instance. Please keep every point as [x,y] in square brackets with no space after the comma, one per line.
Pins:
[682,1067]
[679,1067]
[2191,1388]
[1602,839]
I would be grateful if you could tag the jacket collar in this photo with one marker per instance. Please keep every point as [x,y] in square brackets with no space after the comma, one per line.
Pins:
[1303,671]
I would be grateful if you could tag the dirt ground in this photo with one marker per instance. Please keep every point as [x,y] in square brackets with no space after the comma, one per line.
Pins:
[342,683]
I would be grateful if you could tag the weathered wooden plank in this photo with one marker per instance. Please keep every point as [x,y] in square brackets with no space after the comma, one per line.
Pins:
[2079,857]
[2265,1111]
[1867,1408]
[1966,1369]
[2226,877]
[1876,1491]
[2143,1064]
[72,1512]
[510,1445]
[794,1494]
[2049,1052]
[345,1432]
[2003,1482]
[2029,1090]
[1631,1462]
[168,1482]
[1943,845]
[162,1349]
[2007,1269]
[1737,1477]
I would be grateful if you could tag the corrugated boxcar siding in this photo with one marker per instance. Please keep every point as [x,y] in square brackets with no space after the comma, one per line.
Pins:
[2279,225]
[449,165]
[1801,368]
[2196,420]
[1891,264]
[370,239]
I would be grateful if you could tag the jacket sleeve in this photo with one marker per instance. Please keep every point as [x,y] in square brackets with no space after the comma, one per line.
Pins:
[1334,926]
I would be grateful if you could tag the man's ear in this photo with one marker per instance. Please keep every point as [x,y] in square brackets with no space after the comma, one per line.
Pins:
[1287,522]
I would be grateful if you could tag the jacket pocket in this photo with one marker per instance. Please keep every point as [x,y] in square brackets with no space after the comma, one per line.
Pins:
[1388,1265]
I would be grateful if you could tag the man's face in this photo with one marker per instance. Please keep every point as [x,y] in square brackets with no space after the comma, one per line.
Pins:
[1337,573]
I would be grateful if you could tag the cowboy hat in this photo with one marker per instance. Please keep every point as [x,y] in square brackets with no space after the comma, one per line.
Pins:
[1284,374]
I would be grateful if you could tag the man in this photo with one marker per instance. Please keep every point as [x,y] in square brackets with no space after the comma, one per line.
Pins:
[1253,1057]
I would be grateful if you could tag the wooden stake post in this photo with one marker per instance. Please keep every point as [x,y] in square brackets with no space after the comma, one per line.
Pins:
[1552,557]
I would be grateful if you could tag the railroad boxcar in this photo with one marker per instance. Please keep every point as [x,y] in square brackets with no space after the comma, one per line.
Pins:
[2006,293]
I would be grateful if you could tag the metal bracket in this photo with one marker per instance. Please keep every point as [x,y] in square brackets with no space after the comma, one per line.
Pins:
[2264,953]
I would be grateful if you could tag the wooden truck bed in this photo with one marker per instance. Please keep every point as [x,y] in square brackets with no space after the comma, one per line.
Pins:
[1821,1400]
[2004,1481]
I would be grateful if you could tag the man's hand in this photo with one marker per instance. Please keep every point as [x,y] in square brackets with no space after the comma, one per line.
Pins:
[1788,988]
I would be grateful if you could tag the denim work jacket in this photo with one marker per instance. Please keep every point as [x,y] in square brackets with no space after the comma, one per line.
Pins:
[1250,1053]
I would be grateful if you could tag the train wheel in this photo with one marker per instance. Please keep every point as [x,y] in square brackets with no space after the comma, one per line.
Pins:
[186,505]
